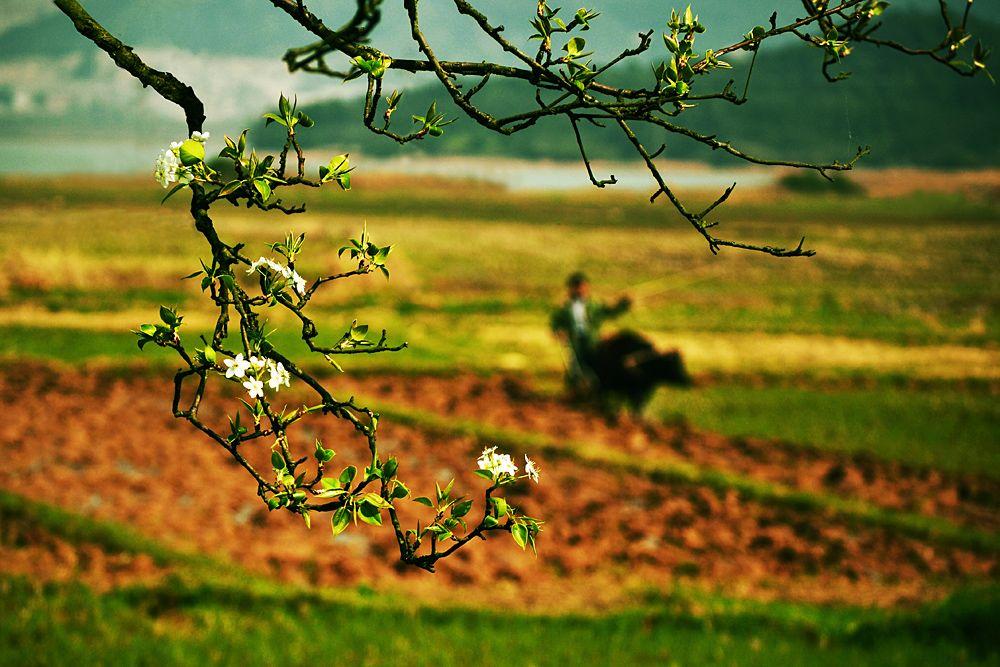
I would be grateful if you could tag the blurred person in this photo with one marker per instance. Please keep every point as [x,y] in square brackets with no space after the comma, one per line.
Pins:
[577,323]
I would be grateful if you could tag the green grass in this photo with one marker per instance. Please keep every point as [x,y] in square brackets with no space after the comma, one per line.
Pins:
[72,625]
[944,428]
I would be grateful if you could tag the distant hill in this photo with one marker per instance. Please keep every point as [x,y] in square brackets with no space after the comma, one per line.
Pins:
[56,88]
[911,111]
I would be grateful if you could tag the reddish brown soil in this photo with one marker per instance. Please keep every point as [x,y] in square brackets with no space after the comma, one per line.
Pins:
[33,552]
[107,447]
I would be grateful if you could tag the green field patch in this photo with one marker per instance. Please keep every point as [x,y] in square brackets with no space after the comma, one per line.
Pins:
[100,300]
[939,426]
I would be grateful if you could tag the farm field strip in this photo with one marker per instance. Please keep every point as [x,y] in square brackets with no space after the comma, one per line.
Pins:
[531,348]
[199,575]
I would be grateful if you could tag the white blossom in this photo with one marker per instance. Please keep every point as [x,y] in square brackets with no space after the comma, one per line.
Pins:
[278,375]
[237,366]
[298,282]
[166,165]
[257,362]
[498,464]
[531,469]
[200,136]
[254,387]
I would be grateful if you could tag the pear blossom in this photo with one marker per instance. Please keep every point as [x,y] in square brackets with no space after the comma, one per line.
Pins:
[236,367]
[200,136]
[298,282]
[166,169]
[254,387]
[278,375]
[253,371]
[531,469]
[498,464]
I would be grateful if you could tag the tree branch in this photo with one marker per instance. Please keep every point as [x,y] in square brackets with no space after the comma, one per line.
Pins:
[166,84]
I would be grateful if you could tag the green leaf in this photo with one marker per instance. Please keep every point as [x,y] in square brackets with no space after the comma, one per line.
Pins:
[370,513]
[277,462]
[341,519]
[229,188]
[274,118]
[348,475]
[359,332]
[263,187]
[485,474]
[500,505]
[520,534]
[168,316]
[174,190]
[461,509]
[340,163]
[575,46]
[424,500]
[376,500]
[192,152]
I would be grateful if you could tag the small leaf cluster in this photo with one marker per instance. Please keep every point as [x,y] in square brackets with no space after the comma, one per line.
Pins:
[374,66]
[676,75]
[547,23]
[432,123]
[163,333]
[370,256]
[290,247]
[337,170]
[288,115]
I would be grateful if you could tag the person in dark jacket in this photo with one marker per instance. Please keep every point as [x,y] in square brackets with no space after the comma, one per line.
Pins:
[578,322]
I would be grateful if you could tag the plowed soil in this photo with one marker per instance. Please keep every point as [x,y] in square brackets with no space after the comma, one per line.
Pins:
[107,447]
[32,551]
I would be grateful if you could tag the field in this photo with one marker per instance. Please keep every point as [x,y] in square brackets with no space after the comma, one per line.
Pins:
[829,491]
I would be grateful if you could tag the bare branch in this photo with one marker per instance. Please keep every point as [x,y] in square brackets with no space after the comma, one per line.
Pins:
[164,83]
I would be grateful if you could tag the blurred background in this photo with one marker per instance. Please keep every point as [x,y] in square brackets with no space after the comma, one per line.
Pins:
[828,491]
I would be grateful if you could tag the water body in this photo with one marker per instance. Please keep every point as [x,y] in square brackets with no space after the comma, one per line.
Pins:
[129,157]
